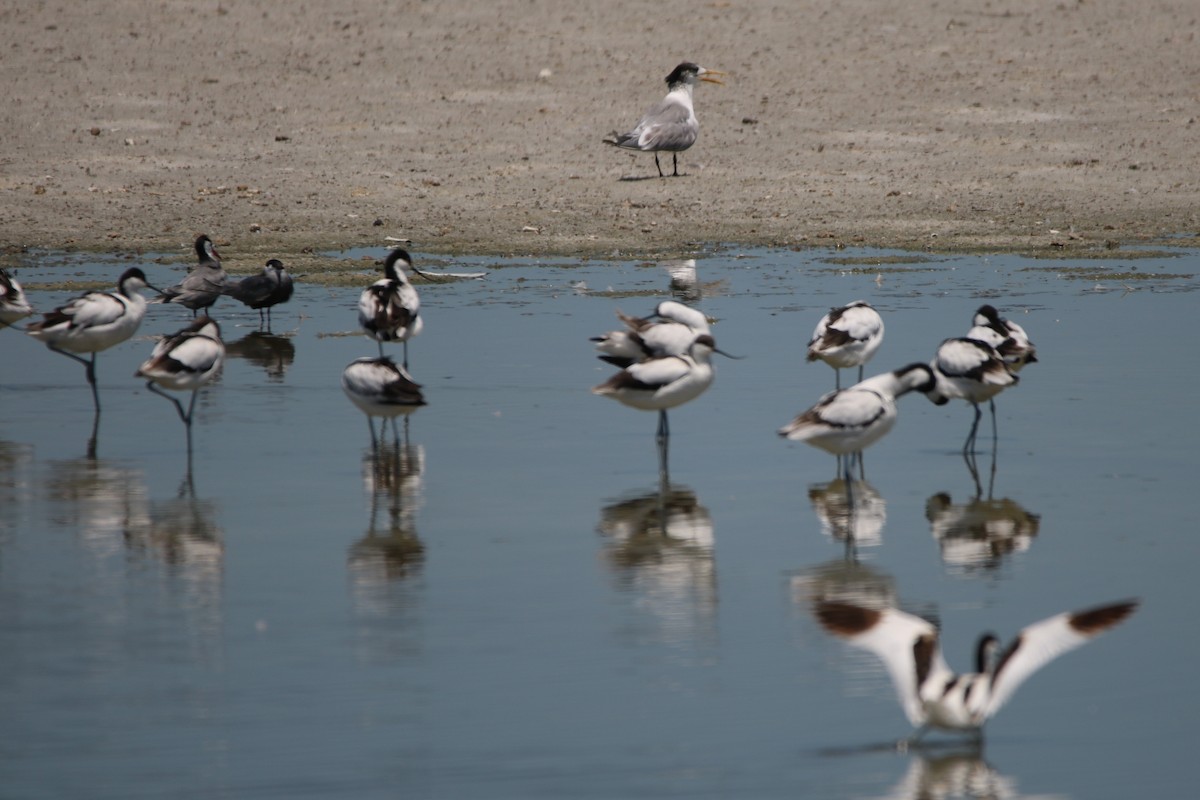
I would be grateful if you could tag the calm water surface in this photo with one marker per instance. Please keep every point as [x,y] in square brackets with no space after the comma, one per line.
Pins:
[491,608]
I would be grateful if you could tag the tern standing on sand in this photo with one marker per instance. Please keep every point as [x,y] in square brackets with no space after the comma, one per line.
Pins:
[671,125]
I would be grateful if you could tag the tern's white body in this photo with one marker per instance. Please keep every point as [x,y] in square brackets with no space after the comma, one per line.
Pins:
[671,124]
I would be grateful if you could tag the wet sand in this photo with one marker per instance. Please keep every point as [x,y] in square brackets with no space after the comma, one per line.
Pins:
[477,127]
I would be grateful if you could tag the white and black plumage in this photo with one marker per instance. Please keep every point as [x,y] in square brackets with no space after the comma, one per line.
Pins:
[933,696]
[658,384]
[668,331]
[14,305]
[269,288]
[204,283]
[847,337]
[93,322]
[971,370]
[1007,337]
[389,310]
[850,420]
[670,125]
[185,361]
[381,388]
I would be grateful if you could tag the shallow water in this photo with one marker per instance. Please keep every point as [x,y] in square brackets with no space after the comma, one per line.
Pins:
[489,610]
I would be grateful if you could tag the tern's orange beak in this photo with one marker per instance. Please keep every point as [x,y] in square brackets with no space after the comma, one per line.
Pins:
[704,76]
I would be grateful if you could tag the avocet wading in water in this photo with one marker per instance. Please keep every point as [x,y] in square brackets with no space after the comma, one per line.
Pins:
[931,694]
[671,125]
[185,361]
[1008,338]
[269,288]
[659,384]
[14,305]
[668,331]
[389,310]
[847,421]
[847,337]
[93,322]
[381,388]
[971,370]
[204,283]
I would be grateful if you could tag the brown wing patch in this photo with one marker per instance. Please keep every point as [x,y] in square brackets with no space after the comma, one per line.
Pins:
[1095,620]
[844,619]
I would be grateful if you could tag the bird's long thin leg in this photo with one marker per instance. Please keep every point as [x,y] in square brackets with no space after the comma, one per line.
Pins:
[969,444]
[178,406]
[995,438]
[406,355]
[380,343]
[675,163]
[660,172]
[860,373]
[837,379]
[909,741]
[664,428]
[371,427]
[89,366]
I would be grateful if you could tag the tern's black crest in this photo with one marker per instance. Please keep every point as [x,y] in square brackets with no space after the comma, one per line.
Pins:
[681,73]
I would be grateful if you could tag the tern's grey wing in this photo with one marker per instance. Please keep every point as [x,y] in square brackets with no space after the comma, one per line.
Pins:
[667,126]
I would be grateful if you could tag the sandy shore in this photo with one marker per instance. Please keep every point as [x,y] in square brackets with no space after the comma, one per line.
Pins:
[476,126]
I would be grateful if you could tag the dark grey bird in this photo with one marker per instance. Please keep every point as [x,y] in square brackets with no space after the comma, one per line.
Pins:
[269,288]
[204,283]
[671,125]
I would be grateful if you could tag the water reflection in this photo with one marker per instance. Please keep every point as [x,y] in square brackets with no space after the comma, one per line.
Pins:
[660,547]
[843,581]
[184,534]
[853,515]
[393,476]
[269,351]
[959,774]
[16,482]
[100,499]
[979,534]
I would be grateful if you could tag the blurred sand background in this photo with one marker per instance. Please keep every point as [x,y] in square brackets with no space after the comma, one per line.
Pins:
[285,127]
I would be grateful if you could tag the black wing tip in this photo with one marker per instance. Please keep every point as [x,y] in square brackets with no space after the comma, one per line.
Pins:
[1101,618]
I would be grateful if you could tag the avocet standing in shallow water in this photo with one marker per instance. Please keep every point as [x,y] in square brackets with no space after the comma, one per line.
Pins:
[662,383]
[846,422]
[185,361]
[668,331]
[204,283]
[846,337]
[93,322]
[14,305]
[389,310]
[932,695]
[970,370]
[269,288]
[381,388]
[671,125]
[1008,338]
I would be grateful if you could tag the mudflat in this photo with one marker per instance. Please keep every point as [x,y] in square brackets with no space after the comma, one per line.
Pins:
[466,126]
